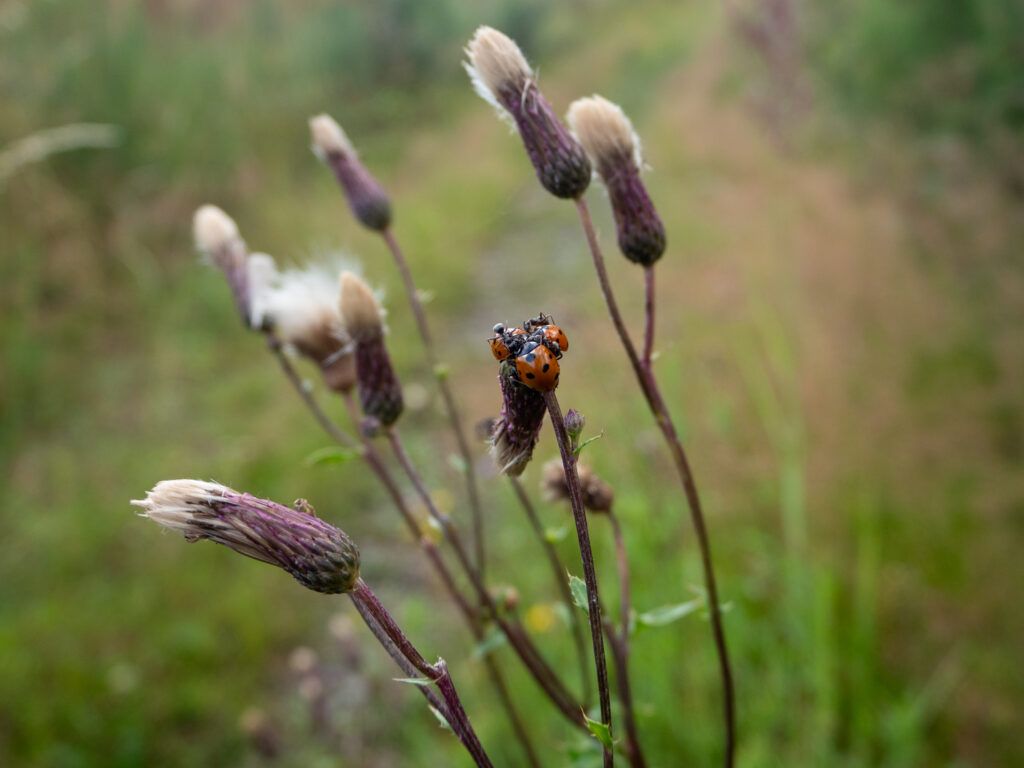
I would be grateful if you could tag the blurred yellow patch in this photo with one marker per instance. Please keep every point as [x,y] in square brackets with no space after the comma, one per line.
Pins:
[540,617]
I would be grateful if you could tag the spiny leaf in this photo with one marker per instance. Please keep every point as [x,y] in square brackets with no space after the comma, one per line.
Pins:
[666,614]
[420,681]
[588,441]
[601,731]
[332,454]
[440,718]
[578,587]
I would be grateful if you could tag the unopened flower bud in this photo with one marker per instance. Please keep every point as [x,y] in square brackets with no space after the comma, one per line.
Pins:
[366,197]
[614,148]
[217,238]
[380,393]
[574,423]
[506,597]
[517,429]
[503,78]
[319,556]
[598,496]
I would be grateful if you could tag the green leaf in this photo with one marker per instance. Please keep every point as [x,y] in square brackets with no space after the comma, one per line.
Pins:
[601,731]
[555,535]
[420,681]
[332,454]
[494,640]
[588,441]
[440,718]
[578,587]
[666,614]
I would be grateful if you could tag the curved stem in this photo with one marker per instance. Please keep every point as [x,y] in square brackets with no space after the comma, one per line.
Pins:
[559,572]
[541,671]
[469,467]
[620,647]
[649,386]
[572,482]
[437,673]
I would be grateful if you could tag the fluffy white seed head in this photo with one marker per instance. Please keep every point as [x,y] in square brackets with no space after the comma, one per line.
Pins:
[605,132]
[495,62]
[302,307]
[360,309]
[263,278]
[328,137]
[213,229]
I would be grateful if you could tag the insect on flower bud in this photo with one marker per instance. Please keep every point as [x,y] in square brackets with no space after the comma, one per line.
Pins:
[502,77]
[216,236]
[613,146]
[517,430]
[598,496]
[319,556]
[366,197]
[380,393]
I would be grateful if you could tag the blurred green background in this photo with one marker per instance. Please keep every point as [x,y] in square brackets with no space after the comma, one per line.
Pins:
[840,338]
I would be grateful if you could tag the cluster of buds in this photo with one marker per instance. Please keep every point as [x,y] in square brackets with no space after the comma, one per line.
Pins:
[366,197]
[319,556]
[380,393]
[502,76]
[598,496]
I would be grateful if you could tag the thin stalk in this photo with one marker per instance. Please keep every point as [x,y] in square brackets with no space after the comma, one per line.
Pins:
[559,572]
[472,619]
[541,671]
[620,647]
[656,403]
[469,466]
[648,315]
[572,482]
[437,673]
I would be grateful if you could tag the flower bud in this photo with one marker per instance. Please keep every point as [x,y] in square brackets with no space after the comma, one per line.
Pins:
[502,77]
[517,429]
[366,197]
[574,423]
[380,393]
[613,146]
[598,496]
[319,556]
[216,236]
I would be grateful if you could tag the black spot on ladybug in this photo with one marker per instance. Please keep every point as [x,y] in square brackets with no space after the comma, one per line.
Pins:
[546,366]
[530,376]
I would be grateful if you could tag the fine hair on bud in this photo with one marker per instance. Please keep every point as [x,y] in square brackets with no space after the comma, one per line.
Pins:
[301,307]
[380,393]
[217,238]
[608,137]
[319,556]
[366,197]
[598,496]
[502,76]
[516,431]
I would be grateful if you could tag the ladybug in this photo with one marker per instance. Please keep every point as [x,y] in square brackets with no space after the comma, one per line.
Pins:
[555,337]
[499,348]
[537,367]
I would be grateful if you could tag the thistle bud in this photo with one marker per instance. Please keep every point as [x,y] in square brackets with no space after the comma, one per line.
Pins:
[502,77]
[517,429]
[380,393]
[366,197]
[614,148]
[574,423]
[598,496]
[216,236]
[317,555]
[301,306]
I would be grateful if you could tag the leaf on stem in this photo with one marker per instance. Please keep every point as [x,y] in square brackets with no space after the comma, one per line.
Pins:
[494,640]
[601,731]
[666,614]
[332,454]
[579,448]
[578,588]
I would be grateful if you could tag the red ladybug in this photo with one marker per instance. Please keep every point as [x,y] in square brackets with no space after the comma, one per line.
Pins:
[501,340]
[537,367]
[555,337]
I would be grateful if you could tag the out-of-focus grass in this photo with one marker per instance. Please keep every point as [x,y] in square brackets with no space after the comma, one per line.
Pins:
[816,333]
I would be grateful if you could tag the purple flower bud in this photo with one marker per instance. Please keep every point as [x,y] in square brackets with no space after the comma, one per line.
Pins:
[319,556]
[366,197]
[517,429]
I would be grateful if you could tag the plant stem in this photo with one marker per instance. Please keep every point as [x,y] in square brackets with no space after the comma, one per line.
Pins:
[648,315]
[572,482]
[437,673]
[620,646]
[541,671]
[559,572]
[649,386]
[452,411]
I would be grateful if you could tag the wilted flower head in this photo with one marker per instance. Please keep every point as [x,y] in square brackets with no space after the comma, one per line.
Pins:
[317,555]
[598,496]
[380,393]
[301,306]
[366,197]
[613,146]
[217,238]
[516,431]
[502,76]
